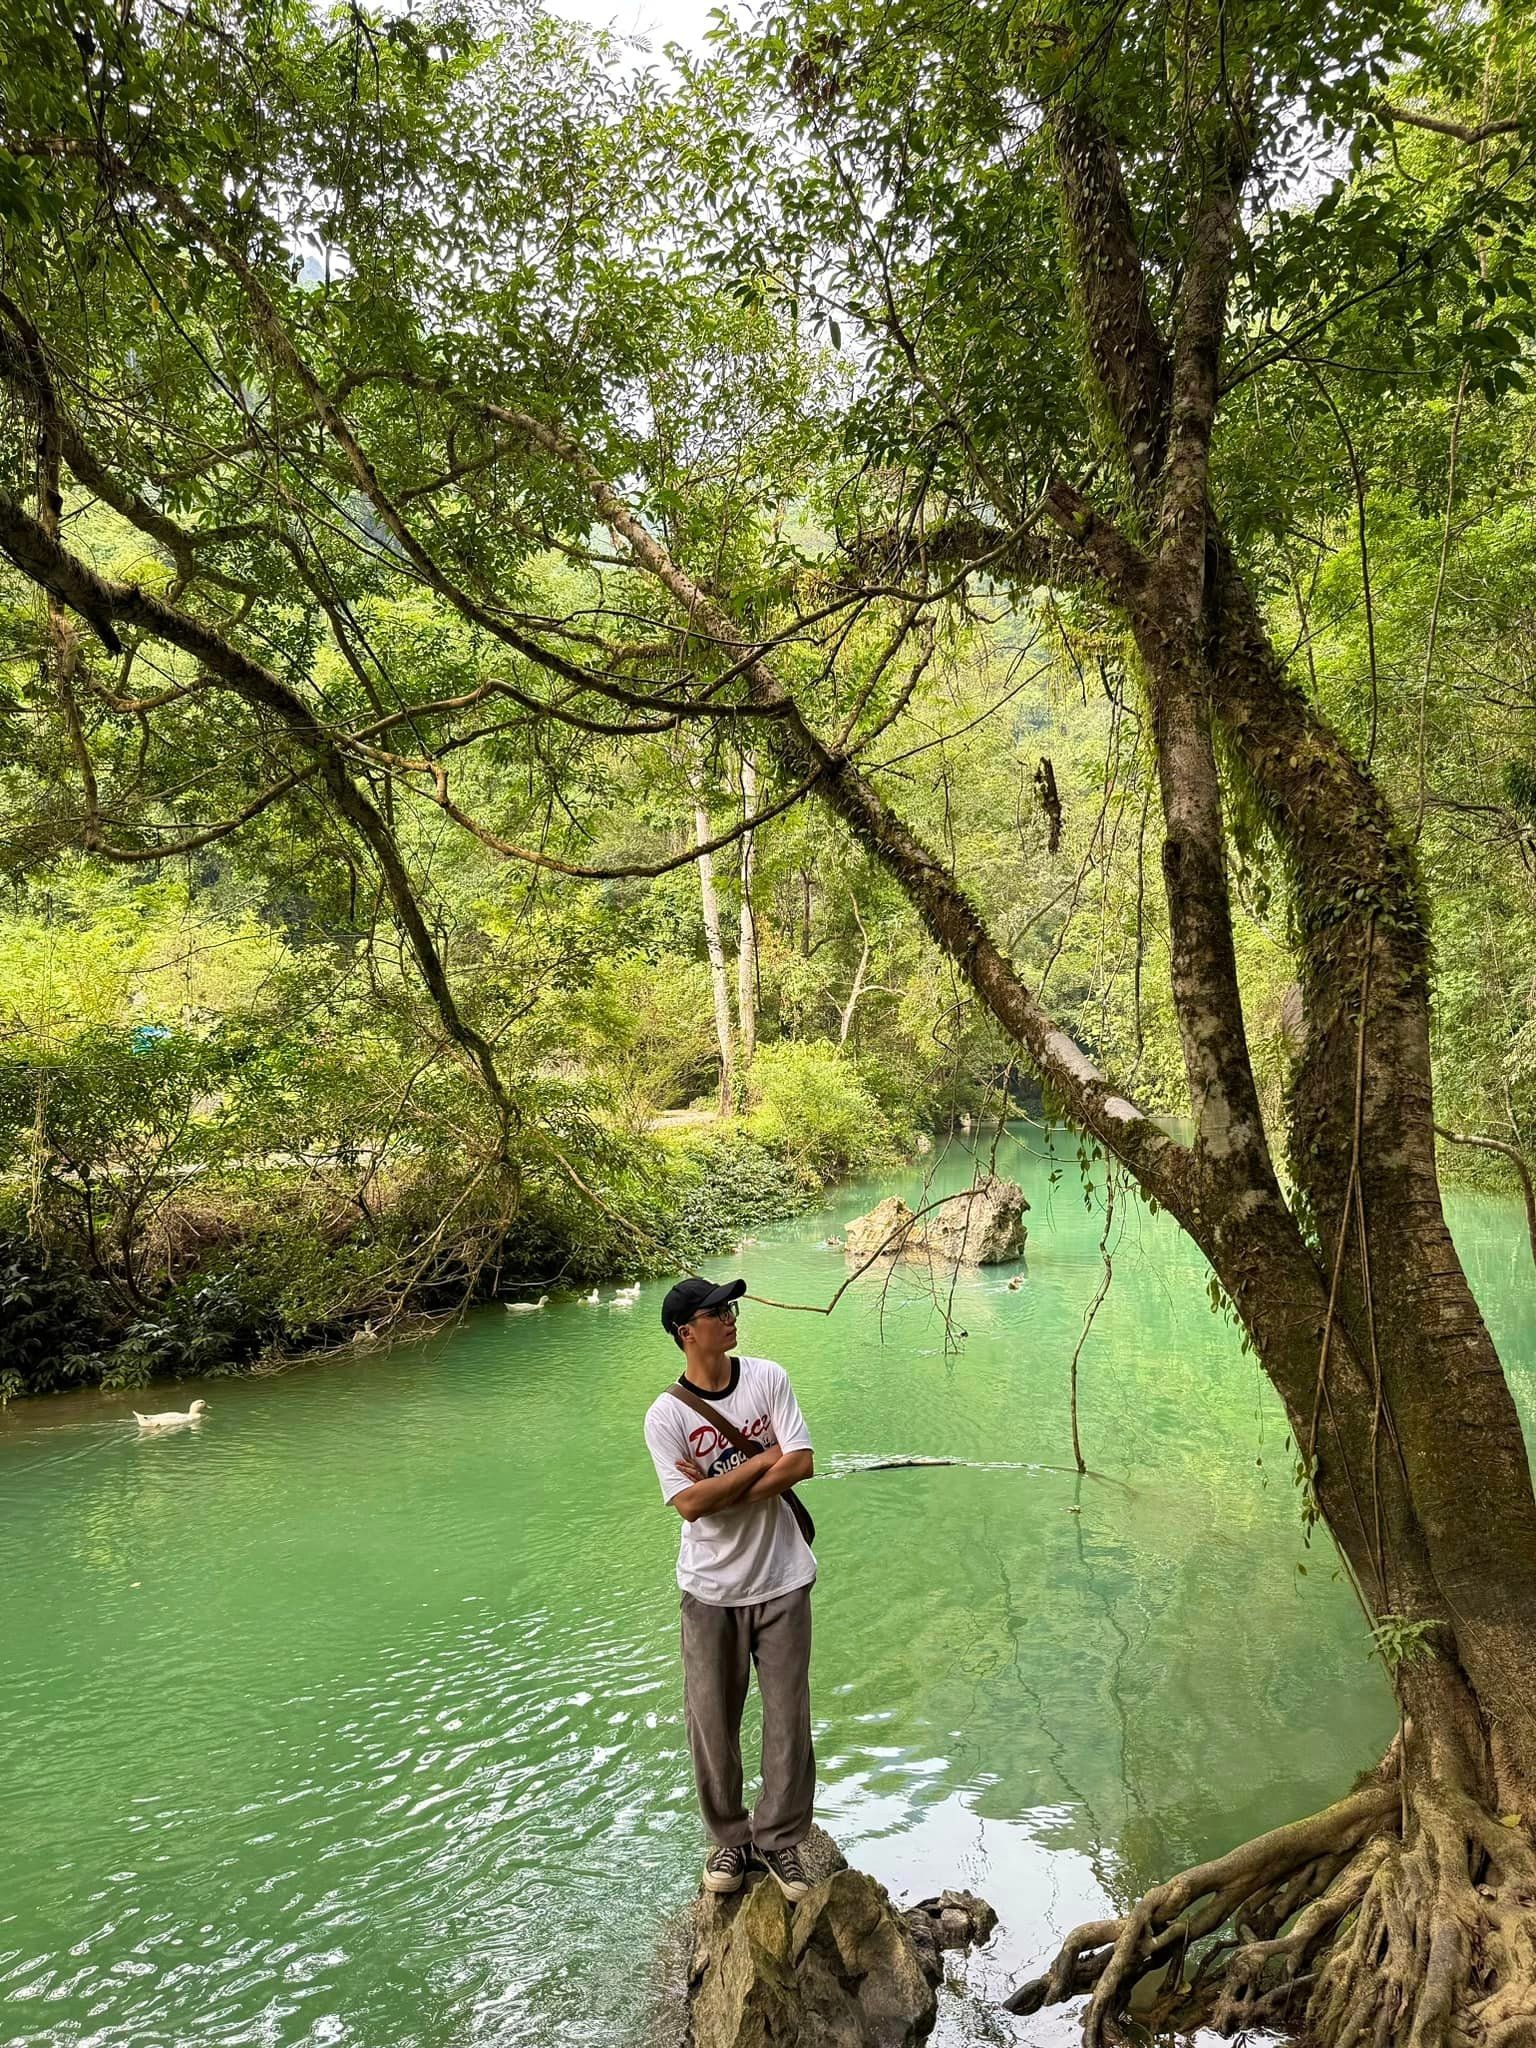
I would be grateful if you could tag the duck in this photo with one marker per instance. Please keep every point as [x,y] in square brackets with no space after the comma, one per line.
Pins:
[622,1300]
[526,1308]
[628,1293]
[172,1418]
[592,1299]
[1015,1283]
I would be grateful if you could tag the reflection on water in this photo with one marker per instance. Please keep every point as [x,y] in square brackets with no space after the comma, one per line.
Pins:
[354,1717]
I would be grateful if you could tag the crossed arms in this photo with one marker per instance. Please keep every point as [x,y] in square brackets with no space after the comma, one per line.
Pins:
[764,1477]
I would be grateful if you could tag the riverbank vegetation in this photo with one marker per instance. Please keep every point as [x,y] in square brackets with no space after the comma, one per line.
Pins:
[226,1139]
[811,581]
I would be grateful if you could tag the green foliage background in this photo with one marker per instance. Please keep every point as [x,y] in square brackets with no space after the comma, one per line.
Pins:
[230,1118]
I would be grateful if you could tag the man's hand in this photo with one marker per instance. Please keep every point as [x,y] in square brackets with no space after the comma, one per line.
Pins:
[787,1470]
[726,1489]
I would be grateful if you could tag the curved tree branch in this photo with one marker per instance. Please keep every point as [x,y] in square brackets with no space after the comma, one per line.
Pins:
[72,582]
[1437,124]
[1516,1159]
[1159,1162]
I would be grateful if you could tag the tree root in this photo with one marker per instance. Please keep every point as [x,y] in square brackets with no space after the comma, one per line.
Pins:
[1397,1918]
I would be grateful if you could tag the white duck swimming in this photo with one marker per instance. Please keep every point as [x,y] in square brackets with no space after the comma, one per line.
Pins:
[628,1293]
[592,1299]
[172,1418]
[525,1308]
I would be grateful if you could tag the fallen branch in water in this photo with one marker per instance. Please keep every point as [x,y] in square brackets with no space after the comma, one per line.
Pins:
[904,1464]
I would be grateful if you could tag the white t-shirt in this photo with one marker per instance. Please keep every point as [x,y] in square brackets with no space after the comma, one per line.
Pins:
[743,1554]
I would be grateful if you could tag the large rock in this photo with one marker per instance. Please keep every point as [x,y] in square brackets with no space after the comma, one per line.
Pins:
[887,1229]
[861,1981]
[745,1993]
[981,1226]
[842,1969]
[952,1920]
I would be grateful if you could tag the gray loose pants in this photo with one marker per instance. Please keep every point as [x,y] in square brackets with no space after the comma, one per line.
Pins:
[720,1644]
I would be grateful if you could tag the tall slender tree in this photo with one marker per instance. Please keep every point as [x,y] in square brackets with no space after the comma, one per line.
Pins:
[746,945]
[714,939]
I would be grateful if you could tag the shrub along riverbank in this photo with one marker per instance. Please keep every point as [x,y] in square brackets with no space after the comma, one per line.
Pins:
[231,1276]
[138,1242]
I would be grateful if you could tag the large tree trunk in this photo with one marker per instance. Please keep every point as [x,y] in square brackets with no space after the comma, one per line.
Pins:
[1363,1159]
[1411,1918]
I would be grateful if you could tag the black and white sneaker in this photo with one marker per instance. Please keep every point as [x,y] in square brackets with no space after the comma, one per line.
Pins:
[725,1867]
[787,1871]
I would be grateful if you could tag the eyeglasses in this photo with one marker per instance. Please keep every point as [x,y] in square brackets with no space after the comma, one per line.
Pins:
[727,1314]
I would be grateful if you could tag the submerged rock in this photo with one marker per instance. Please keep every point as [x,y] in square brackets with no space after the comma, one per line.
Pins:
[842,1969]
[981,1226]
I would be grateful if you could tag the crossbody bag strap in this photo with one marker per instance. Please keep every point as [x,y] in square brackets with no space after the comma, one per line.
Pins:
[728,1430]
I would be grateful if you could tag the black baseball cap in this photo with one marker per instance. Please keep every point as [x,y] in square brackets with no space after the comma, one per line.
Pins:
[692,1296]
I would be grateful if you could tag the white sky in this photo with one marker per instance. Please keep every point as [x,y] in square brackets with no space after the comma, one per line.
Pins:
[658,21]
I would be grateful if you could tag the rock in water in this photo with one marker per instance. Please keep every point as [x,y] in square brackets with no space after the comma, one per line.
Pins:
[745,1993]
[952,1920]
[842,1969]
[886,1229]
[981,1226]
[862,1983]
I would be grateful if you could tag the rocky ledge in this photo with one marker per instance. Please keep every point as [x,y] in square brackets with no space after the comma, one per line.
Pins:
[842,1969]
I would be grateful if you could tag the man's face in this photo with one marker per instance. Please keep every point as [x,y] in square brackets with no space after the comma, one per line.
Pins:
[713,1327]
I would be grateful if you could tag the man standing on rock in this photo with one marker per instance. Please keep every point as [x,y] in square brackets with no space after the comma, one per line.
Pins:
[729,1442]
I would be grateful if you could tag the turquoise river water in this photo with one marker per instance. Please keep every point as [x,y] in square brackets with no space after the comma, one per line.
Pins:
[353,1716]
